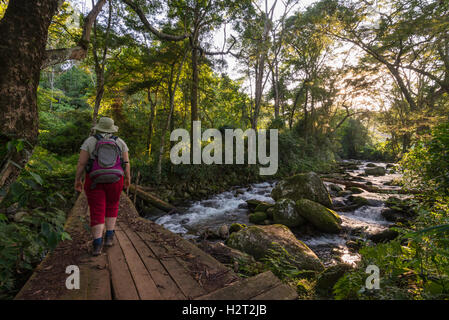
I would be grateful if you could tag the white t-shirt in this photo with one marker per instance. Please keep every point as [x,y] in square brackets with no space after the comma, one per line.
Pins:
[90,143]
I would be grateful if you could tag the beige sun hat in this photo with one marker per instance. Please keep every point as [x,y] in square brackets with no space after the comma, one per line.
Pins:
[106,124]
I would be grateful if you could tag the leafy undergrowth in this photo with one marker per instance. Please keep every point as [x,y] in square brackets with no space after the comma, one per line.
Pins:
[281,263]
[413,266]
[32,217]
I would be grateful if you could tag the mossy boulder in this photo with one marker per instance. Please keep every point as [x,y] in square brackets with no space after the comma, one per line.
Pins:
[236,227]
[375,171]
[303,186]
[284,212]
[258,217]
[253,203]
[359,201]
[258,240]
[344,193]
[270,213]
[322,218]
[335,188]
[263,206]
[355,190]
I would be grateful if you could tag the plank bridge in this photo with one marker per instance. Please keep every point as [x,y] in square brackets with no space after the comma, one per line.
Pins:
[147,262]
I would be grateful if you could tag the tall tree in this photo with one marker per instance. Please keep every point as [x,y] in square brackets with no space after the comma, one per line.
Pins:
[23,54]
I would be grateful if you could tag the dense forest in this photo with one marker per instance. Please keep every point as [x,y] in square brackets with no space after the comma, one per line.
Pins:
[340,80]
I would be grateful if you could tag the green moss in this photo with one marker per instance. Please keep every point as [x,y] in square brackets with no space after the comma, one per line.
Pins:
[236,227]
[257,217]
[319,216]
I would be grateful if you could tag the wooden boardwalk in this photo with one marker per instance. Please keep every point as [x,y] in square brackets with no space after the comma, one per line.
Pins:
[147,262]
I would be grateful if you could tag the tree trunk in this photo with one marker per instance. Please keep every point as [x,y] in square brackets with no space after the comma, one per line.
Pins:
[171,92]
[24,30]
[194,88]
[151,119]
[100,64]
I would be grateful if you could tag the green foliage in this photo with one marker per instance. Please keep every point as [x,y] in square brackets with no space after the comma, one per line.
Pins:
[427,164]
[63,132]
[414,266]
[36,224]
[354,137]
[280,262]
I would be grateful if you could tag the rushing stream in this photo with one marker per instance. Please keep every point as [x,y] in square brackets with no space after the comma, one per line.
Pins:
[230,206]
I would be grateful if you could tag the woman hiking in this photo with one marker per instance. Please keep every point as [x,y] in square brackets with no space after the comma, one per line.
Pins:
[104,157]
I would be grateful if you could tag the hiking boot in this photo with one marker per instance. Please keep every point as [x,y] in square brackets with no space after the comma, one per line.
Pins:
[96,249]
[109,239]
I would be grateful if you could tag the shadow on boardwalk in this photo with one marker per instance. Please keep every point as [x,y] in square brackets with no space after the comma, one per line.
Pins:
[146,262]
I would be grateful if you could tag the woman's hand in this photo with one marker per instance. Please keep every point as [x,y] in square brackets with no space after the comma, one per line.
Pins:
[79,185]
[127,182]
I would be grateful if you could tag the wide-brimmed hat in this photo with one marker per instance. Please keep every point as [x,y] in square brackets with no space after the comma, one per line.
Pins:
[106,124]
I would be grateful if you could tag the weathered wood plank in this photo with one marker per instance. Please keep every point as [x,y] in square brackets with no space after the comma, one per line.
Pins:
[81,293]
[245,289]
[99,279]
[166,285]
[144,283]
[219,275]
[189,286]
[123,286]
[280,292]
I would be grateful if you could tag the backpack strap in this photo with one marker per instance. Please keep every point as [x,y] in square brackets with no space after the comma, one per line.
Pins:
[98,136]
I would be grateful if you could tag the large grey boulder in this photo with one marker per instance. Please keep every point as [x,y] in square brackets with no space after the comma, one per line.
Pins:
[258,240]
[284,212]
[375,171]
[303,186]
[319,216]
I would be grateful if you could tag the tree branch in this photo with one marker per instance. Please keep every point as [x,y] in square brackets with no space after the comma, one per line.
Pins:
[79,52]
[153,30]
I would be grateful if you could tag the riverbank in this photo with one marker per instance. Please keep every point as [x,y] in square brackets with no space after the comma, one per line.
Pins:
[365,215]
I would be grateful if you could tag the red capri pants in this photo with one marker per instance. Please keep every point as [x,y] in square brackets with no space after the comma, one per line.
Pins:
[103,200]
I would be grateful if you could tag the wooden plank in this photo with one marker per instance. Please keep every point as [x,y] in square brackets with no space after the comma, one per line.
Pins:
[224,275]
[189,286]
[99,279]
[245,289]
[81,293]
[144,283]
[280,292]
[123,286]
[166,285]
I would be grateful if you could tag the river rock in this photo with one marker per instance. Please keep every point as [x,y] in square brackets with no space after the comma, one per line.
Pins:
[319,216]
[371,165]
[223,231]
[236,227]
[270,213]
[334,188]
[257,240]
[226,254]
[358,200]
[375,171]
[355,190]
[344,193]
[384,236]
[284,212]
[258,217]
[303,186]
[263,206]
[253,203]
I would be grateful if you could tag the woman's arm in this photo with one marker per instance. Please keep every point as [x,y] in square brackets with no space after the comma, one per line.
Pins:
[82,162]
[127,169]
